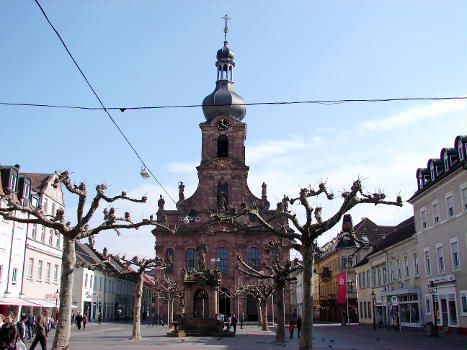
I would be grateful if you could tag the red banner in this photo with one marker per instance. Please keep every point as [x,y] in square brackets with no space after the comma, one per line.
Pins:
[341,288]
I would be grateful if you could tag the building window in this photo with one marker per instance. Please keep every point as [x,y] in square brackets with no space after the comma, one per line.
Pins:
[406,265]
[57,244]
[464,197]
[13,275]
[253,257]
[34,231]
[95,282]
[446,162]
[379,277]
[86,280]
[391,278]
[455,254]
[373,270]
[90,280]
[364,307]
[427,263]
[53,209]
[449,205]
[423,218]
[169,260]
[368,278]
[190,258]
[360,280]
[30,267]
[222,146]
[427,304]
[432,171]
[39,269]
[415,264]
[463,298]
[222,260]
[452,309]
[51,237]
[43,234]
[460,151]
[440,256]
[45,205]
[361,309]
[399,274]
[47,272]
[435,213]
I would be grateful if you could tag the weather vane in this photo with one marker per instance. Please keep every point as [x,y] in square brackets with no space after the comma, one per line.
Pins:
[226,29]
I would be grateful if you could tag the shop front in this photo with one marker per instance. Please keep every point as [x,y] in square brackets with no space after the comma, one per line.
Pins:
[400,308]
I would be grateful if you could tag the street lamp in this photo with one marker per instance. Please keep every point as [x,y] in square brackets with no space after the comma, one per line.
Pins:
[432,289]
[373,298]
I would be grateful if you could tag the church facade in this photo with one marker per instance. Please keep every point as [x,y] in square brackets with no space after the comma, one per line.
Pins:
[222,176]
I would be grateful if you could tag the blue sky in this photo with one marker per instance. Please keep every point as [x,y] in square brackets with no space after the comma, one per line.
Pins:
[139,53]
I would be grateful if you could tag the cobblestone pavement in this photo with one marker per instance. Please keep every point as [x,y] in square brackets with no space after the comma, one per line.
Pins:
[114,336]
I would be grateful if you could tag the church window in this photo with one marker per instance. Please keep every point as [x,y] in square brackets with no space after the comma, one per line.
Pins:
[190,258]
[201,304]
[223,146]
[253,257]
[169,260]
[222,260]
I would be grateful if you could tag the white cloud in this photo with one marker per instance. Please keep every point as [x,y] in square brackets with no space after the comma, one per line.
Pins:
[180,167]
[271,148]
[415,114]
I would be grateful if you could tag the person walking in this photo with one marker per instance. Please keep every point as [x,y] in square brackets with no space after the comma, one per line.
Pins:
[79,319]
[72,318]
[291,328]
[229,323]
[8,334]
[234,323]
[299,325]
[85,320]
[242,319]
[29,325]
[21,328]
[40,332]
[344,319]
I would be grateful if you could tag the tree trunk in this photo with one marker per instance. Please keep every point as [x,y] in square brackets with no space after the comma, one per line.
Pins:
[279,303]
[260,313]
[170,316]
[306,336]
[137,308]
[62,335]
[264,315]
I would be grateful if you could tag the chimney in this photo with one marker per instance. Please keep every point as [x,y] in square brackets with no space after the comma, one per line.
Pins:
[347,223]
[104,252]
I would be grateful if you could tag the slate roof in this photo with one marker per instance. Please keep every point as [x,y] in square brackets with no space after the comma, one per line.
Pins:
[39,181]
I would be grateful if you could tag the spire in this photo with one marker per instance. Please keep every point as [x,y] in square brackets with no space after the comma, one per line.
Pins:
[223,100]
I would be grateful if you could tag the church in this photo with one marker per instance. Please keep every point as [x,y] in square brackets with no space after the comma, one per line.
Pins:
[222,184]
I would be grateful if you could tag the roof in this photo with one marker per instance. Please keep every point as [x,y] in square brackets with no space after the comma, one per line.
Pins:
[39,181]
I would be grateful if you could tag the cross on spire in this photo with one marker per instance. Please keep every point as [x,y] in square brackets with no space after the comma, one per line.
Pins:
[226,29]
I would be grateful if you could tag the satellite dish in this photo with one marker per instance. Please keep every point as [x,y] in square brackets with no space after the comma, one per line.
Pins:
[145,173]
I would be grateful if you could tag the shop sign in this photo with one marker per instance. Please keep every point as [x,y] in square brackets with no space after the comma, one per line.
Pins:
[379,302]
[394,300]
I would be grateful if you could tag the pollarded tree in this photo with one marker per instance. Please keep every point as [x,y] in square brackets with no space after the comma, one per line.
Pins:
[142,265]
[260,291]
[280,273]
[72,233]
[174,291]
[304,237]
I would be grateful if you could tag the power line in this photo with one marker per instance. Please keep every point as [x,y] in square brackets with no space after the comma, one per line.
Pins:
[100,101]
[321,102]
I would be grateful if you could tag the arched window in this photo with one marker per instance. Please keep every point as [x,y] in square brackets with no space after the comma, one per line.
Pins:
[446,162]
[190,258]
[201,304]
[169,260]
[432,171]
[222,146]
[460,150]
[253,257]
[275,253]
[222,260]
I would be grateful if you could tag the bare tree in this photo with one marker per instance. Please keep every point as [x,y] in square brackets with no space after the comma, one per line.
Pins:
[72,233]
[280,273]
[260,291]
[174,291]
[143,265]
[304,238]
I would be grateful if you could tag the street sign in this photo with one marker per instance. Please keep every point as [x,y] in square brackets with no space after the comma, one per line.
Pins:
[394,300]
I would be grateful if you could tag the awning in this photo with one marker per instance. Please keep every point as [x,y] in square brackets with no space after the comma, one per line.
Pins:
[16,301]
[46,303]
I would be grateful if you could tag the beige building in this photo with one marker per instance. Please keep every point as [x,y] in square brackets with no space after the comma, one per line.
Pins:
[388,280]
[440,207]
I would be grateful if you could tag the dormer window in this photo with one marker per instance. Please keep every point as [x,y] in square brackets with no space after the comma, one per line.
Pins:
[223,146]
[420,181]
[432,171]
[446,162]
[460,151]
[13,181]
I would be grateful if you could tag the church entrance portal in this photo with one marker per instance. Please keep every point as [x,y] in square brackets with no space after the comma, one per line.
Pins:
[224,302]
[251,309]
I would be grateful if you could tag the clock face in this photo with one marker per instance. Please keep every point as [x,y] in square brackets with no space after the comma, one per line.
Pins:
[222,124]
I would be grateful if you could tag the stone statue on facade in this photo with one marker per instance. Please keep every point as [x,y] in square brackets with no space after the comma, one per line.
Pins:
[160,203]
[181,191]
[264,190]
[202,250]
[222,194]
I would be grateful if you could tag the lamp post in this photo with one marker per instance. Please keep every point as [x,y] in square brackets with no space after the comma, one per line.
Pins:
[432,288]
[373,298]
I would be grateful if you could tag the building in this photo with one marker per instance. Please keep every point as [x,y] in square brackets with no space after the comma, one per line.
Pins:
[440,207]
[222,175]
[102,285]
[388,278]
[341,256]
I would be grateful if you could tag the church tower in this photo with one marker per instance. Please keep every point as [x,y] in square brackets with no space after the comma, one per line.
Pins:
[222,184]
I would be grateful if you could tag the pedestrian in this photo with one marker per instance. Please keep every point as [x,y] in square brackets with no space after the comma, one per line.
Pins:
[229,323]
[234,323]
[85,320]
[21,328]
[47,324]
[299,325]
[79,319]
[99,318]
[291,328]
[344,319]
[40,332]
[72,318]
[242,319]
[29,324]
[8,334]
